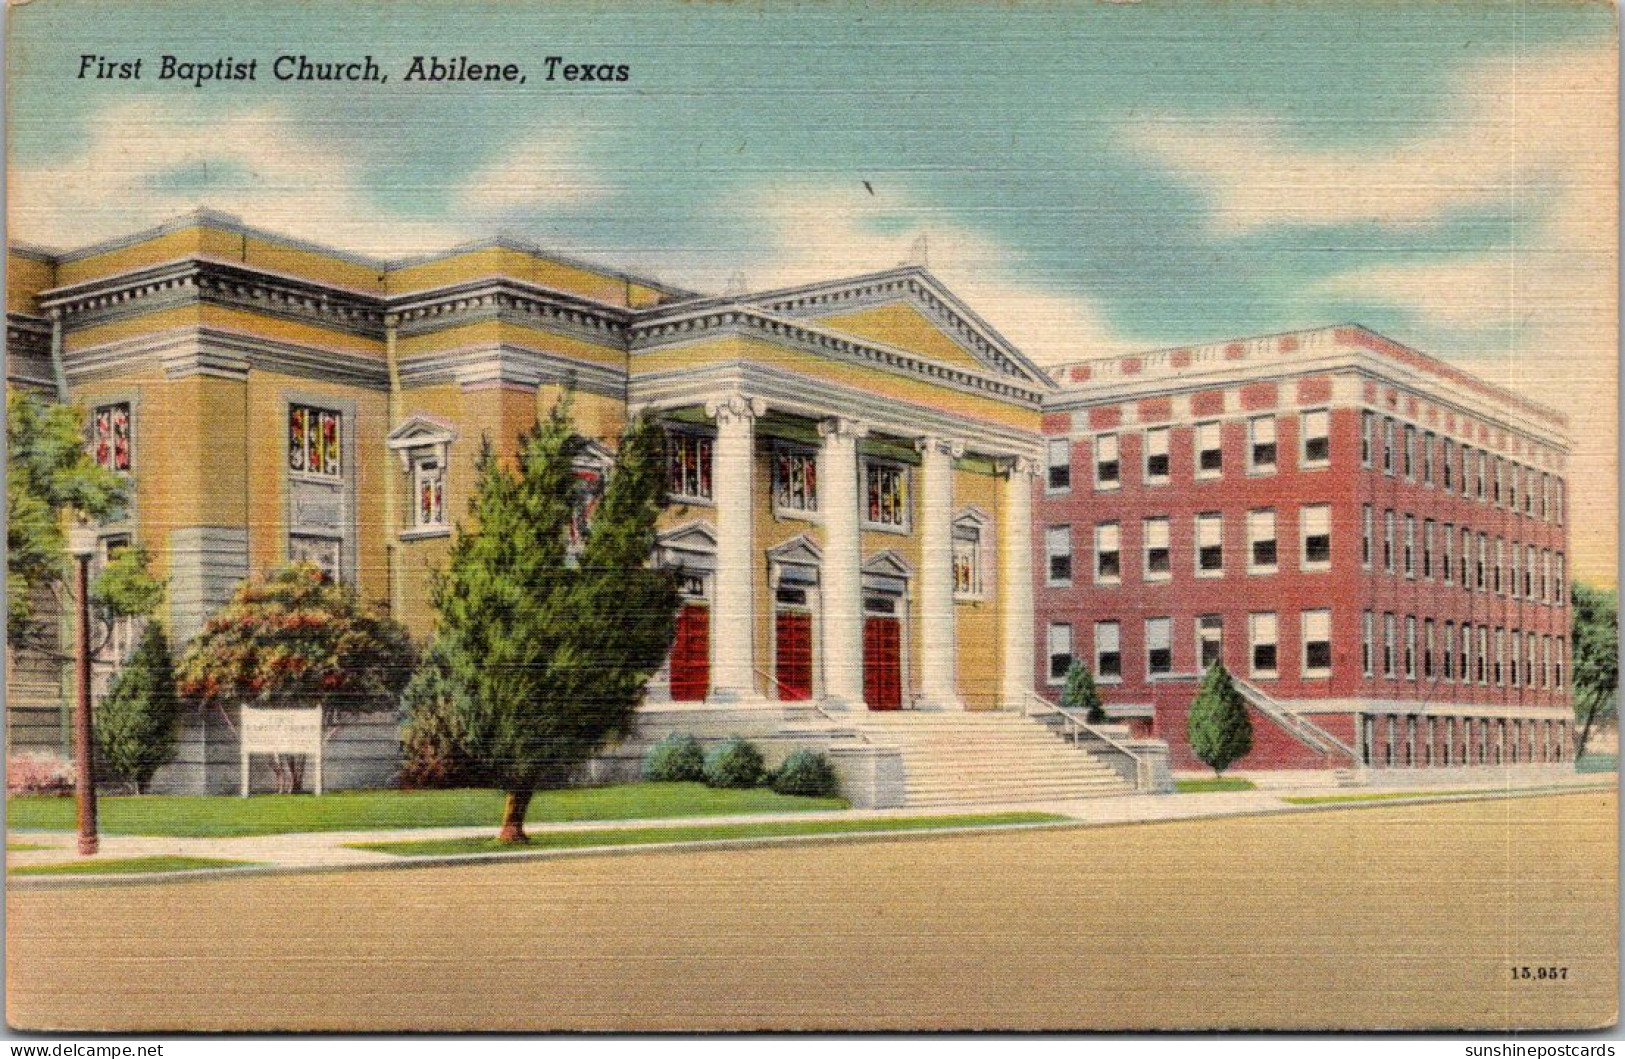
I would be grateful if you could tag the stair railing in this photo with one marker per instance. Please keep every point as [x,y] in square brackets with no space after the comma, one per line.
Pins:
[1074,725]
[1306,730]
[810,703]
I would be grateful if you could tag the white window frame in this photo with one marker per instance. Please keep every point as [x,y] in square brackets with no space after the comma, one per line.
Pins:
[1164,526]
[1312,517]
[428,463]
[1108,533]
[1111,442]
[1156,438]
[1262,431]
[1368,643]
[1323,417]
[1217,428]
[1063,534]
[1256,623]
[1409,557]
[1307,619]
[1161,628]
[1206,623]
[798,452]
[1062,448]
[1116,639]
[701,475]
[1259,522]
[873,464]
[1215,519]
[1410,647]
[1050,639]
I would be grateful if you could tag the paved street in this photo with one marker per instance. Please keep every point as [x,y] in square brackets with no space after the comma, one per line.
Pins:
[1408,916]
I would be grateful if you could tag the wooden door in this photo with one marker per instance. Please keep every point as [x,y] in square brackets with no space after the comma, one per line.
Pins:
[691,655]
[882,663]
[793,655]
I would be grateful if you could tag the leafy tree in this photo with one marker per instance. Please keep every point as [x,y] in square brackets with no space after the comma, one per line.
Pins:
[135,722]
[1080,693]
[553,650]
[50,481]
[1595,640]
[1218,728]
[433,739]
[295,639]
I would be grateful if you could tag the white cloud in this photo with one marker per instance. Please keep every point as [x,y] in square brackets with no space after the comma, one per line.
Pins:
[1511,125]
[540,172]
[818,233]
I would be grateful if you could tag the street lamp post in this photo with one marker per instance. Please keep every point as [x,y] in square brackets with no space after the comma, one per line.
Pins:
[82,546]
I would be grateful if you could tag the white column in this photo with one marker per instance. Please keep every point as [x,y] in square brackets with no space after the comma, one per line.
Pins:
[841,578]
[733,611]
[938,687]
[1016,581]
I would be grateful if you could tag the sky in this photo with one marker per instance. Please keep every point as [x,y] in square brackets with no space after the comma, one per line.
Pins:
[1092,177]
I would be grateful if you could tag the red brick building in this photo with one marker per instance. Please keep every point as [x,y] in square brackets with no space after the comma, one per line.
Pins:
[1371,540]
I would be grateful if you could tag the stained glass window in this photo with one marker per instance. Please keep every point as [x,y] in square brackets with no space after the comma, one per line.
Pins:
[795,479]
[688,465]
[590,481]
[887,500]
[110,436]
[429,487]
[967,561]
[315,437]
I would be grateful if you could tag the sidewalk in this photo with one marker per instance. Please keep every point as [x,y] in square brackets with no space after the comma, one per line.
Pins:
[328,850]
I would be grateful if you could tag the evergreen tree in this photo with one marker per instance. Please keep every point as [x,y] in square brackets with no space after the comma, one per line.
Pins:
[1081,693]
[432,739]
[135,723]
[1217,727]
[551,654]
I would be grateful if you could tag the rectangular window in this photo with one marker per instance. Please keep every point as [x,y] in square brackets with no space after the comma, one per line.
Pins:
[1500,558]
[1390,633]
[1500,657]
[315,441]
[1059,465]
[795,479]
[429,492]
[1368,632]
[1514,585]
[1156,456]
[1367,519]
[1428,442]
[887,493]
[1529,573]
[1209,545]
[1368,430]
[1108,651]
[1108,554]
[1545,661]
[1557,500]
[1058,550]
[1261,445]
[1447,461]
[1388,541]
[1410,546]
[1060,651]
[1447,561]
[688,465]
[1108,470]
[1498,486]
[1209,640]
[1545,496]
[967,562]
[110,440]
[1158,566]
[1410,452]
[1261,542]
[1209,450]
[1449,650]
[1545,576]
[1514,472]
[1387,445]
[1466,557]
[1159,654]
[1410,648]
[1557,661]
[1466,470]
[1559,598]
[1427,549]
[1317,643]
[1481,579]
[1516,644]
[1481,471]
[1466,653]
[1483,653]
[1262,635]
[1315,528]
[1316,450]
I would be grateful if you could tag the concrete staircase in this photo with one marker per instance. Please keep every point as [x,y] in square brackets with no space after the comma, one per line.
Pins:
[966,758]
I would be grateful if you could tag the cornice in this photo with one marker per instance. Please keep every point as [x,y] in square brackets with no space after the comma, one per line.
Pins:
[509,300]
[27,335]
[222,354]
[512,365]
[680,326]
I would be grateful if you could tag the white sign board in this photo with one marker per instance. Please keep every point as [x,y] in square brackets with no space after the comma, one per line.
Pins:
[282,732]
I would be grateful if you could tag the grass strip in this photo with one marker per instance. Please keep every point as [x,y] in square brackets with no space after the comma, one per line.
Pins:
[643,836]
[27,847]
[193,816]
[130,866]
[1217,783]
[1388,796]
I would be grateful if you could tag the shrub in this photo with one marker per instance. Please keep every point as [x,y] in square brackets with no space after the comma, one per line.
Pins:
[135,723]
[433,751]
[678,758]
[38,774]
[1080,693]
[735,764]
[809,773]
[1219,730]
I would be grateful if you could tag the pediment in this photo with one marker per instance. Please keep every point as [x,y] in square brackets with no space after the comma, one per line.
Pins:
[797,551]
[419,430]
[695,537]
[888,564]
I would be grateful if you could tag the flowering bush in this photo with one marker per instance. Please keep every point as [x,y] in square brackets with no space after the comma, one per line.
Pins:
[38,774]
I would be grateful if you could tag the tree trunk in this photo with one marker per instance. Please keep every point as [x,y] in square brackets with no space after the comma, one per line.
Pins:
[1585,733]
[296,774]
[513,817]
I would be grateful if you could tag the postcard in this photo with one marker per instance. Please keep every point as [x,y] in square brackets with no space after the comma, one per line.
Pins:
[835,516]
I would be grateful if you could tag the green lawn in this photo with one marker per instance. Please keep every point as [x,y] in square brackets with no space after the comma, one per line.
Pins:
[1216,783]
[276,814]
[1420,792]
[1598,763]
[130,865]
[641,836]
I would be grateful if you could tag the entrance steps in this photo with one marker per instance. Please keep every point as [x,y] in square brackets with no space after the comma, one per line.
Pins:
[986,758]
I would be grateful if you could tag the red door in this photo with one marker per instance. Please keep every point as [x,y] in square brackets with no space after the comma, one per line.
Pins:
[691,655]
[882,664]
[793,655]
